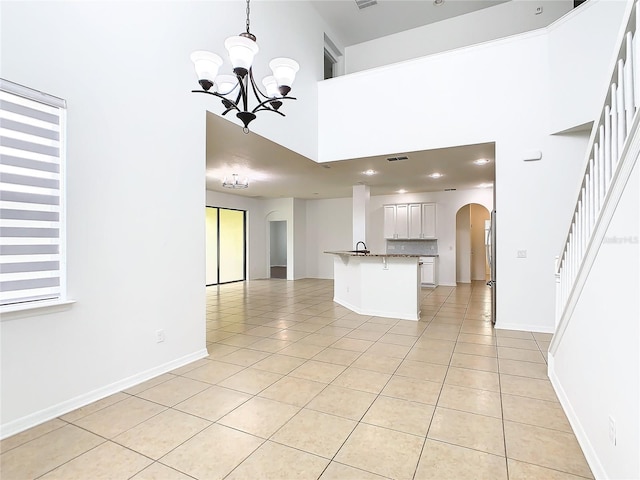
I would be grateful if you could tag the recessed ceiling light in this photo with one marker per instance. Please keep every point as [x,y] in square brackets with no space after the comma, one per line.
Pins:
[436,175]
[485,185]
[369,172]
[402,190]
[481,161]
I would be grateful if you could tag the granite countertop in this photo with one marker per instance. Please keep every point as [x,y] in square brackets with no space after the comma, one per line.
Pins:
[400,255]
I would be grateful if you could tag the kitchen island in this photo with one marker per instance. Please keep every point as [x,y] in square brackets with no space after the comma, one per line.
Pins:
[380,285]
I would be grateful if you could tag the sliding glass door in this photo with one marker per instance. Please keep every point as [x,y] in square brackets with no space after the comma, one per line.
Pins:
[225,245]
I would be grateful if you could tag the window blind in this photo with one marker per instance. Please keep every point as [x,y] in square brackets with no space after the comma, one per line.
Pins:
[31,204]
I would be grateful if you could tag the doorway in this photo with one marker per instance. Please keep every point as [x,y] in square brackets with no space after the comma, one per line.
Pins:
[278,248]
[226,248]
[471,247]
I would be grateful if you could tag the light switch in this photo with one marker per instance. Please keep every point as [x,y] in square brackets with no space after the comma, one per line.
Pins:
[521,254]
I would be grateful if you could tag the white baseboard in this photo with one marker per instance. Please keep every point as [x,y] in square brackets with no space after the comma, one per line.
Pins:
[523,328]
[49,413]
[375,313]
[587,448]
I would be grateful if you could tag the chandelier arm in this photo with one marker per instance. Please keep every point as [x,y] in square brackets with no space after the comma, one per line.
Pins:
[215,94]
[266,109]
[256,89]
[262,105]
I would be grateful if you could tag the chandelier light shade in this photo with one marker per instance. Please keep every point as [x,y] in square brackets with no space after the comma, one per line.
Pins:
[235,90]
[234,182]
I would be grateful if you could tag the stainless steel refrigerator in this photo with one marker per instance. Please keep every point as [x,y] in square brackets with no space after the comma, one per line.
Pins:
[490,243]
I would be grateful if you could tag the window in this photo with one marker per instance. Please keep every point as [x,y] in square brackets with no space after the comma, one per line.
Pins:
[32,129]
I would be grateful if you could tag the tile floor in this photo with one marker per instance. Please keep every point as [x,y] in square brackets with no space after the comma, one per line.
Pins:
[297,387]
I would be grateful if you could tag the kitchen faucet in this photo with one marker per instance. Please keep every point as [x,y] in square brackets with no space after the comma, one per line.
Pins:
[363,244]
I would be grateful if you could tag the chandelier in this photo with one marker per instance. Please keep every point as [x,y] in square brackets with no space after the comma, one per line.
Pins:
[234,90]
[235,183]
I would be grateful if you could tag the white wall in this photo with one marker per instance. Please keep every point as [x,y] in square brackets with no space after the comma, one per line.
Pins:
[329,228]
[463,245]
[507,103]
[596,369]
[299,238]
[509,18]
[135,184]
[577,95]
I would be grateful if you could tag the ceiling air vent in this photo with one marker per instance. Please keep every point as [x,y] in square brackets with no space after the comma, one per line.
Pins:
[365,3]
[449,189]
[395,159]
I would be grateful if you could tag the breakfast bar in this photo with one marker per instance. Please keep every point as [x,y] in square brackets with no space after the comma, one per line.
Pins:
[380,285]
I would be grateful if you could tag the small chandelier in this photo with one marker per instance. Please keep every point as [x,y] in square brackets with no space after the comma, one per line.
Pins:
[234,89]
[235,183]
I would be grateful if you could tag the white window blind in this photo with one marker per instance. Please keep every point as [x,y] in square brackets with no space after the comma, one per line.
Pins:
[31,204]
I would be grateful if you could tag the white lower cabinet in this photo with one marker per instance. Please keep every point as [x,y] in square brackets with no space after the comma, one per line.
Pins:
[429,271]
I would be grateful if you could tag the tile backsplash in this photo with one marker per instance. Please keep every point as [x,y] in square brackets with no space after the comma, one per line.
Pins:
[414,247]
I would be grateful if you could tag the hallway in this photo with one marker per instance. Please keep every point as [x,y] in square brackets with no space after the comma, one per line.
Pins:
[298,387]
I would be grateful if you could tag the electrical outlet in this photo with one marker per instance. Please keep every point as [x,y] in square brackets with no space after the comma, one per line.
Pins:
[521,254]
[160,336]
[612,430]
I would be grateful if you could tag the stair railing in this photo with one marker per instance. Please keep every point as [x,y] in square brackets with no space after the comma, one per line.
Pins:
[611,156]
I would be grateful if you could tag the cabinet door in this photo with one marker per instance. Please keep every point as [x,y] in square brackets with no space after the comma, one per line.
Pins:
[402,221]
[415,220]
[389,221]
[429,220]
[428,273]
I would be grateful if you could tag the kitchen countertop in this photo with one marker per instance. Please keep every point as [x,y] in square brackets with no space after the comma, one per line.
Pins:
[397,255]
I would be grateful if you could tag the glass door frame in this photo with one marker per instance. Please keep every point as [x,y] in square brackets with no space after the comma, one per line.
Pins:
[244,246]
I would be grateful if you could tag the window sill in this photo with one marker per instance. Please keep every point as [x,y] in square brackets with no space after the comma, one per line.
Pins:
[11,312]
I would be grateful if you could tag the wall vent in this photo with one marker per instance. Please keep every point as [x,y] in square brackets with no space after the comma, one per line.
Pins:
[449,189]
[365,3]
[395,159]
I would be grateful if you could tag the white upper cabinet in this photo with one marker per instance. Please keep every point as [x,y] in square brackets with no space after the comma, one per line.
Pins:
[415,220]
[410,221]
[429,220]
[402,221]
[389,221]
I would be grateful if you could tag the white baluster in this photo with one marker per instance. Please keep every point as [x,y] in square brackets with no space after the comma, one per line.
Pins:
[607,147]
[579,230]
[636,66]
[628,84]
[585,210]
[589,187]
[621,116]
[596,179]
[602,186]
[614,124]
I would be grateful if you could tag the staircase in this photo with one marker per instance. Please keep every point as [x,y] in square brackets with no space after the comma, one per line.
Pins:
[612,153]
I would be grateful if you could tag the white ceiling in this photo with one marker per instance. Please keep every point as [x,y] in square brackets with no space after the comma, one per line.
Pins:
[353,25]
[275,171]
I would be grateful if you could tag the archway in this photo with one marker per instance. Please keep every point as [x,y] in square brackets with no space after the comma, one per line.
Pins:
[472,223]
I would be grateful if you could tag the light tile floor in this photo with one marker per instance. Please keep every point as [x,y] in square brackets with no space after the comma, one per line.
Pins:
[297,387]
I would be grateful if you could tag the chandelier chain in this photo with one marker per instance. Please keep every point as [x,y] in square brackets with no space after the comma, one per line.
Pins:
[248,10]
